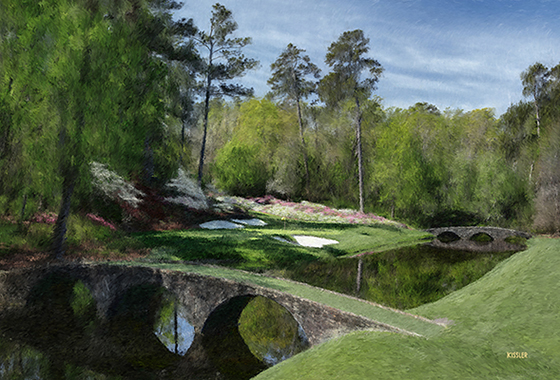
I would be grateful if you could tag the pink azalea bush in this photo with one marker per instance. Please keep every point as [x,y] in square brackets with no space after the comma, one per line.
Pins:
[101,221]
[46,217]
[308,211]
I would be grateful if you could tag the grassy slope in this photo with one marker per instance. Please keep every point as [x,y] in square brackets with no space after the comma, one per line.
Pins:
[255,248]
[514,308]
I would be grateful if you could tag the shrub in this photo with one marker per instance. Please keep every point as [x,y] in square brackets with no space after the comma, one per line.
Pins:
[187,191]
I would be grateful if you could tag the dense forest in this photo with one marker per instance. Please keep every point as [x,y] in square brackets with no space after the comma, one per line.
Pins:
[88,84]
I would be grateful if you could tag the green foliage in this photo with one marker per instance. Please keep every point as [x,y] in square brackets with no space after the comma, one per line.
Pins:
[224,62]
[80,82]
[433,168]
[289,72]
[269,330]
[82,303]
[240,171]
[83,230]
[257,151]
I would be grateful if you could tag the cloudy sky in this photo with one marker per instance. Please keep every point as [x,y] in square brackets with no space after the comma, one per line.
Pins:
[463,54]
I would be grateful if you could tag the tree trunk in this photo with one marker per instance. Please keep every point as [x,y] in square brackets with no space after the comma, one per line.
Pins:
[71,157]
[359,276]
[22,214]
[59,233]
[148,161]
[176,335]
[204,134]
[360,157]
[303,147]
[206,111]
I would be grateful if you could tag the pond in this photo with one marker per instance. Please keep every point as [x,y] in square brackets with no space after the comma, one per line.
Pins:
[58,331]
[402,278]
[59,335]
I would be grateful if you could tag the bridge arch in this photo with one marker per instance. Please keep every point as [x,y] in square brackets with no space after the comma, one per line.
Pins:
[481,239]
[200,294]
[223,342]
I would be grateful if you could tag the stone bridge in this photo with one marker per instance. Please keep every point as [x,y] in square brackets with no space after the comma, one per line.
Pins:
[201,295]
[213,305]
[466,238]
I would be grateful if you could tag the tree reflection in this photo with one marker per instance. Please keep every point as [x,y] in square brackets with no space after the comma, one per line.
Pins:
[172,326]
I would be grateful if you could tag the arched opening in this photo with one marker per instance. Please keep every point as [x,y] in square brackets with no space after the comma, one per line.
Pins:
[64,303]
[448,237]
[132,324]
[247,334]
[172,326]
[270,331]
[481,238]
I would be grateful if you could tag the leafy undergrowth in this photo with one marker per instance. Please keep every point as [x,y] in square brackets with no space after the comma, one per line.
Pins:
[89,238]
[515,308]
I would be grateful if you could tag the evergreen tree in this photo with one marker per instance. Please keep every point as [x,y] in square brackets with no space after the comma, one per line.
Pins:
[288,81]
[87,82]
[223,63]
[346,58]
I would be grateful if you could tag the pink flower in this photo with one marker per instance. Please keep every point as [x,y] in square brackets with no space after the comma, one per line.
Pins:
[101,221]
[48,218]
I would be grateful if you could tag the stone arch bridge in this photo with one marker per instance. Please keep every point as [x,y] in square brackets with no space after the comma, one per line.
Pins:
[200,294]
[213,304]
[466,238]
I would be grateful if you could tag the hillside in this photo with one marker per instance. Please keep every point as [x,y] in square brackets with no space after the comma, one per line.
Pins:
[514,308]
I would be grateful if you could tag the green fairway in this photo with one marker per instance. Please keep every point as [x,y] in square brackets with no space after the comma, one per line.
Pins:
[513,309]
[257,248]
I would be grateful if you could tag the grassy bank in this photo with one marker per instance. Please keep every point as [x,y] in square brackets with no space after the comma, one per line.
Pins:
[514,308]
[256,248]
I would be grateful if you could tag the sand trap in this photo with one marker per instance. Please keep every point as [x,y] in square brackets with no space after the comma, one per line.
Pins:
[250,222]
[312,241]
[220,225]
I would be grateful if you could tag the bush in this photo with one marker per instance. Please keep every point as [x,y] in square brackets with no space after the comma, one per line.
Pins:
[187,192]
[239,170]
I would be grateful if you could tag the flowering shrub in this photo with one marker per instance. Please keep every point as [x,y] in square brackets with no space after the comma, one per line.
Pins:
[114,186]
[189,193]
[46,217]
[101,221]
[307,211]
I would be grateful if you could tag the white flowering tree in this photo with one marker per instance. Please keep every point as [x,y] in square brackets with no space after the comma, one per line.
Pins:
[113,186]
[188,192]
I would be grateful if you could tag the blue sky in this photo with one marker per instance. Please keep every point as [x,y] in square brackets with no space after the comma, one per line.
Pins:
[463,54]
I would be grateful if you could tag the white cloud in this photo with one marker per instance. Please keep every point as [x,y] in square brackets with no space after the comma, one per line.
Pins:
[454,53]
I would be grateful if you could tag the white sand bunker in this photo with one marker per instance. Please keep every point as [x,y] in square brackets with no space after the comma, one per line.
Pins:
[250,222]
[312,241]
[220,225]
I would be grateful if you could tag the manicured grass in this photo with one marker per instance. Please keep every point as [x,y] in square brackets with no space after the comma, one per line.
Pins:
[255,247]
[514,308]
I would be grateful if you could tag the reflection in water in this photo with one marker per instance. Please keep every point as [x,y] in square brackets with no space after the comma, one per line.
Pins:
[172,326]
[146,334]
[21,362]
[402,278]
[271,342]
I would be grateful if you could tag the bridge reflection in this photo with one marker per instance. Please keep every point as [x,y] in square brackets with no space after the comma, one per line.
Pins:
[139,337]
[128,321]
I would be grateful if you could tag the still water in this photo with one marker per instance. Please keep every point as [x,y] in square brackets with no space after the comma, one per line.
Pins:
[58,335]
